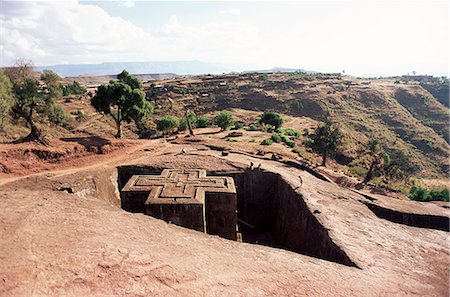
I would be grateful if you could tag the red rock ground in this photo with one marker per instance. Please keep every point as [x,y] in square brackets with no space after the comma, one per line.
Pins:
[58,244]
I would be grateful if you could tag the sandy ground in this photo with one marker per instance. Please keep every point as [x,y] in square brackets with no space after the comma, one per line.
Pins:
[82,244]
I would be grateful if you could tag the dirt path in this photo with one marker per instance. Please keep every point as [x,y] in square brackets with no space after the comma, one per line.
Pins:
[92,160]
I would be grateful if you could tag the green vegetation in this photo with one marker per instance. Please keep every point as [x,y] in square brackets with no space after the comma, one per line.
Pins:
[6,98]
[224,120]
[166,124]
[271,118]
[58,116]
[203,122]
[276,137]
[289,142]
[424,195]
[326,141]
[291,132]
[267,141]
[52,81]
[184,124]
[73,89]
[252,127]
[123,100]
[29,100]
[238,125]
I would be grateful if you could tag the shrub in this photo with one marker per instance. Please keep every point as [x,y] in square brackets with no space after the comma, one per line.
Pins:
[271,118]
[252,127]
[422,194]
[224,120]
[276,137]
[267,141]
[238,125]
[183,123]
[166,124]
[288,142]
[73,89]
[58,116]
[292,132]
[268,128]
[203,122]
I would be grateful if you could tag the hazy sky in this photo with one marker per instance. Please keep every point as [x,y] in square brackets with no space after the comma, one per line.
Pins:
[361,38]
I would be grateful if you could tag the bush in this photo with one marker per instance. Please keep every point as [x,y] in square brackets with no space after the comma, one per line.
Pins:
[271,118]
[224,120]
[252,127]
[276,137]
[238,125]
[203,122]
[183,123]
[268,128]
[422,194]
[291,132]
[267,141]
[288,142]
[58,116]
[166,124]
[73,89]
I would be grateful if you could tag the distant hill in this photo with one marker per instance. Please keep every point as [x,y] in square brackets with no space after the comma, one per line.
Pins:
[177,67]
[281,69]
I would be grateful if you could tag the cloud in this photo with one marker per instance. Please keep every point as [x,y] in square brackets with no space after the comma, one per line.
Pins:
[233,11]
[52,32]
[127,3]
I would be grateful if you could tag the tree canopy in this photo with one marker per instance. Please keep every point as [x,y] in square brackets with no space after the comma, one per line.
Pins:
[271,118]
[166,124]
[224,120]
[30,99]
[122,101]
[326,141]
[6,98]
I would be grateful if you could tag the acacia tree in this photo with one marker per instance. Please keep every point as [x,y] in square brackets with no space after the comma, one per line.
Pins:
[326,141]
[123,102]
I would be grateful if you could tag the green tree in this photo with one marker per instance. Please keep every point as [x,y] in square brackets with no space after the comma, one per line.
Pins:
[166,124]
[30,99]
[6,98]
[271,118]
[224,120]
[129,79]
[326,141]
[122,102]
[52,81]
[203,122]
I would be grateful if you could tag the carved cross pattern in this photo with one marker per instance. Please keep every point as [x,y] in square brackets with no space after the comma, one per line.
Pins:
[179,186]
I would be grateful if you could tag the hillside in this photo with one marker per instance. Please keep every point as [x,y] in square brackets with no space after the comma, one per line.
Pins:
[403,117]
